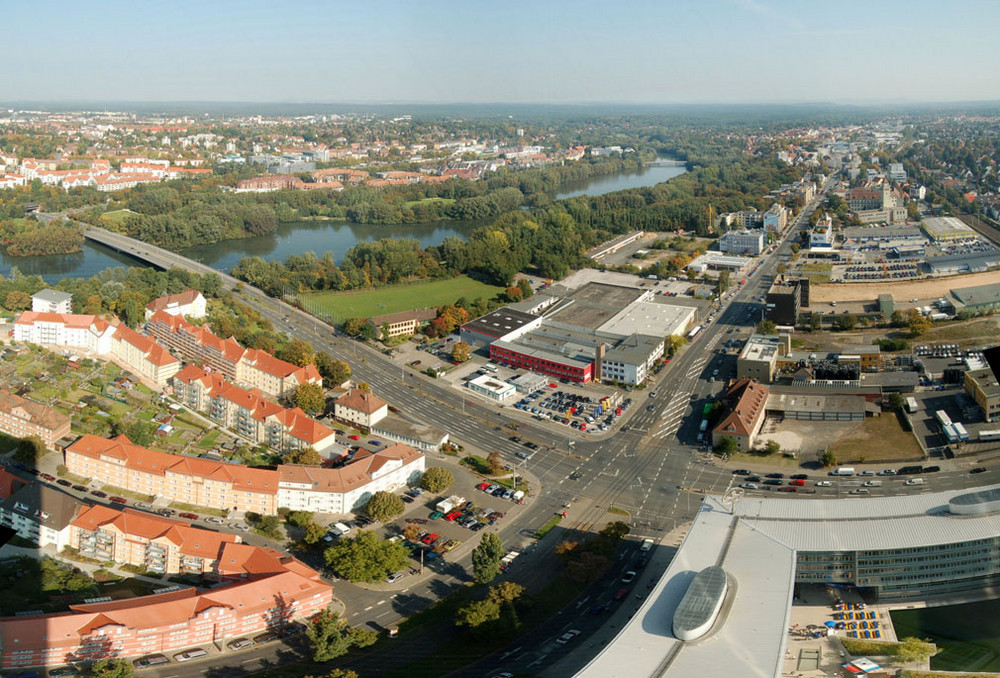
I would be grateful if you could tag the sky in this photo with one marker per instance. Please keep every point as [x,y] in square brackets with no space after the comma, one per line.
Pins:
[485,51]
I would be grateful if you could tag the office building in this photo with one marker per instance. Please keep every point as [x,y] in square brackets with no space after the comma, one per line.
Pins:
[745,242]
[785,299]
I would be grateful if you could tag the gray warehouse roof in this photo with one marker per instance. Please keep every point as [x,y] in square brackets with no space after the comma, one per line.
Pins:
[500,322]
[979,295]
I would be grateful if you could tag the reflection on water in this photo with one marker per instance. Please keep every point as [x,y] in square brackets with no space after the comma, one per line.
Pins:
[648,176]
[298,237]
[53,268]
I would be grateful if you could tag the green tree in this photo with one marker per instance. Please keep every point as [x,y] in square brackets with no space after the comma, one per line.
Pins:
[18,301]
[477,613]
[309,397]
[723,282]
[300,518]
[494,462]
[111,668]
[331,637]
[766,327]
[384,506]
[486,558]
[827,458]
[725,446]
[307,456]
[436,479]
[354,327]
[142,433]
[297,352]
[269,526]
[846,322]
[674,343]
[896,402]
[338,673]
[314,533]
[334,372]
[772,447]
[917,323]
[365,557]
[460,352]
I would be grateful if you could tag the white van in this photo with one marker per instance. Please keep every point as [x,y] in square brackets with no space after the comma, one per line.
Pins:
[843,471]
[915,481]
[339,530]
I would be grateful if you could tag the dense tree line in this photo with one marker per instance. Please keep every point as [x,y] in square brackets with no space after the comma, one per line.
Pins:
[30,238]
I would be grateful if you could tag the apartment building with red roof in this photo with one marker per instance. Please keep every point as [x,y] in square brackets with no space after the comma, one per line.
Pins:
[255,368]
[190,480]
[267,592]
[21,418]
[746,400]
[143,355]
[248,413]
[87,332]
[189,303]
[157,544]
[341,490]
[360,408]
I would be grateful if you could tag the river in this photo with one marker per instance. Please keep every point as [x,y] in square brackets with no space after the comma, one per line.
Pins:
[316,236]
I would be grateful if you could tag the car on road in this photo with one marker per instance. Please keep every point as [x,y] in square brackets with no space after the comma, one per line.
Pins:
[394,577]
[748,486]
[798,482]
[531,446]
[800,476]
[628,577]
[600,608]
[860,490]
[620,594]
[788,488]
[151,660]
[650,408]
[772,481]
[866,473]
[824,483]
[775,475]
[741,472]
[239,644]
[752,479]
[887,472]
[654,394]
[979,469]
[188,516]
[196,653]
[568,636]
[241,526]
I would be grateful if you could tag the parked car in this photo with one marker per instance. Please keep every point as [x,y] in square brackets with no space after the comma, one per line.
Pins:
[979,469]
[394,577]
[196,653]
[214,520]
[436,515]
[239,644]
[741,472]
[188,516]
[79,488]
[151,660]
[628,577]
[620,594]
[118,500]
[430,538]
[265,637]
[46,476]
[749,486]
[64,482]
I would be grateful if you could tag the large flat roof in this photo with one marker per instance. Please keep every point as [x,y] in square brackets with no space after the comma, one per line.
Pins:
[650,317]
[500,322]
[750,637]
[937,227]
[980,294]
[761,347]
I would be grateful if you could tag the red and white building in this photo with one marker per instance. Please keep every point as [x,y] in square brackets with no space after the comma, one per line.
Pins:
[87,332]
[189,303]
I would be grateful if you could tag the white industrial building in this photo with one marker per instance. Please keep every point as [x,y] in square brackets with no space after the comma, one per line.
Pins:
[743,242]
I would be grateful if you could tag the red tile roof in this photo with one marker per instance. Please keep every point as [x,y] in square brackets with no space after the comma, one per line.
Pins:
[361,401]
[68,319]
[152,351]
[180,299]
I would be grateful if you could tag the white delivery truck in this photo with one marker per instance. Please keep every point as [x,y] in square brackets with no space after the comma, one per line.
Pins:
[843,471]
[446,505]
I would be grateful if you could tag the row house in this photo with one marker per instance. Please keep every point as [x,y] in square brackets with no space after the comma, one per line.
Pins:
[121,180]
[191,480]
[255,368]
[167,622]
[157,544]
[12,180]
[22,418]
[344,489]
[249,414]
[143,355]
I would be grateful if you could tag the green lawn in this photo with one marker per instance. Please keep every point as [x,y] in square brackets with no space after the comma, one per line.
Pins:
[117,216]
[968,635]
[395,298]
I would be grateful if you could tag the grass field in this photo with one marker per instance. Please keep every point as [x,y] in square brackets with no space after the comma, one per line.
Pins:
[877,439]
[441,201]
[395,298]
[969,635]
[117,216]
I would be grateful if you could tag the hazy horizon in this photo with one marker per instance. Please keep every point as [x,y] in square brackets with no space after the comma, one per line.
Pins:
[560,52]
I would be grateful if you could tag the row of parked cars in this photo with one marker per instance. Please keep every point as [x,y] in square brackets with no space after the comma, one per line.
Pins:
[234,645]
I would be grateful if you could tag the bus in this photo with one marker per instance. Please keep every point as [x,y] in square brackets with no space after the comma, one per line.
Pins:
[989,435]
[694,333]
[942,418]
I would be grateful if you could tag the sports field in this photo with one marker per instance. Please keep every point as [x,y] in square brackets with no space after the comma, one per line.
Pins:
[395,298]
[968,634]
